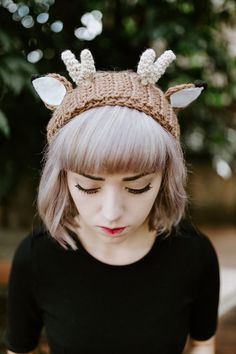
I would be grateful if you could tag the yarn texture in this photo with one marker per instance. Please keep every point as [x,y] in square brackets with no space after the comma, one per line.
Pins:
[122,88]
[136,90]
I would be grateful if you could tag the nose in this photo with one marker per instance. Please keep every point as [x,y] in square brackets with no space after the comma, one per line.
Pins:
[112,205]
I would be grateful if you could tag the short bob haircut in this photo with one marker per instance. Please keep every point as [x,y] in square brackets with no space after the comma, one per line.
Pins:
[107,140]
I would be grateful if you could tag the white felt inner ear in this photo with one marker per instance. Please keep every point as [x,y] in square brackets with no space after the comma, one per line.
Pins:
[50,90]
[184,97]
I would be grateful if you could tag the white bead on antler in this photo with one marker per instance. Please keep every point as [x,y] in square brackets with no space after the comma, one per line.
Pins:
[79,72]
[150,70]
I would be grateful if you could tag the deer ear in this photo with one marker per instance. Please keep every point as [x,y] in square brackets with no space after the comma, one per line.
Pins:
[51,89]
[182,95]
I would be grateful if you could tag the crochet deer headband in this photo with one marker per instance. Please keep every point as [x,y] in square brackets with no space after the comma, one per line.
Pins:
[93,88]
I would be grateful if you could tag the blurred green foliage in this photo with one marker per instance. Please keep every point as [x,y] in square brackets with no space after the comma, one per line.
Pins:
[194,30]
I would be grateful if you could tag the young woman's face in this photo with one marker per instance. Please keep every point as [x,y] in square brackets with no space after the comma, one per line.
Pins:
[113,201]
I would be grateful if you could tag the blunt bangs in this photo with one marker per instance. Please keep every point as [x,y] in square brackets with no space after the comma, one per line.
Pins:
[112,139]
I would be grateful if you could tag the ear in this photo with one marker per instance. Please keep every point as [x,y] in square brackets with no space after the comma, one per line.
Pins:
[182,95]
[51,88]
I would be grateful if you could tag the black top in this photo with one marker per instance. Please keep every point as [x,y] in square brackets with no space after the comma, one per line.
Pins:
[89,307]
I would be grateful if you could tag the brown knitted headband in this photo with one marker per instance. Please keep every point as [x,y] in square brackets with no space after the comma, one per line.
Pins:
[135,90]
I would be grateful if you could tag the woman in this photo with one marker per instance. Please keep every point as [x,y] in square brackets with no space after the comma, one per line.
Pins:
[116,267]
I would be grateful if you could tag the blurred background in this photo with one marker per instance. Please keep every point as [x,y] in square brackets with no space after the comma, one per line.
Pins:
[203,36]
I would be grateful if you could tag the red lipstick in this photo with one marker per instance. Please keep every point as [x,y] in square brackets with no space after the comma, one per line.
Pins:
[112,231]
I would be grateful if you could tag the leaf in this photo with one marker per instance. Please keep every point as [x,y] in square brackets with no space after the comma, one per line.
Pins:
[4,126]
[6,41]
[14,81]
[15,72]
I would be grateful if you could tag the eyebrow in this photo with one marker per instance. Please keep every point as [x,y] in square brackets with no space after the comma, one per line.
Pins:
[131,178]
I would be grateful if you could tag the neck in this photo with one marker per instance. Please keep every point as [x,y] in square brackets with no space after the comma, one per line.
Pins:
[117,250]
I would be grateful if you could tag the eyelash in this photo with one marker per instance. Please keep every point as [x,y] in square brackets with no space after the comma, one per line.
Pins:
[133,191]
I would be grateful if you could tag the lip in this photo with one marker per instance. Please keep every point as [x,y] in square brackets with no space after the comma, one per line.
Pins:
[114,231]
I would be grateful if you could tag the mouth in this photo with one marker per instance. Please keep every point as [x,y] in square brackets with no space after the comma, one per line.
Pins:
[114,231]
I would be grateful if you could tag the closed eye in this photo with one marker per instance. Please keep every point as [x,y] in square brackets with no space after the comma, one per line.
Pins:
[130,190]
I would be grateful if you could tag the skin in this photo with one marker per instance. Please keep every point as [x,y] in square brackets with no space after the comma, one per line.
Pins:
[114,205]
[202,347]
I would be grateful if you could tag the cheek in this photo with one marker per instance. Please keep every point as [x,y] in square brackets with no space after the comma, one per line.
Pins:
[83,205]
[80,200]
[143,206]
[150,200]
[148,203]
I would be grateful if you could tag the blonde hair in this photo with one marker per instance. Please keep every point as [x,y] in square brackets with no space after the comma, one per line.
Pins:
[111,139]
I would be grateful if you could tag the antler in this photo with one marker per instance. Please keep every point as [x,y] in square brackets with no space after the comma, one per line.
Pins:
[79,72]
[150,70]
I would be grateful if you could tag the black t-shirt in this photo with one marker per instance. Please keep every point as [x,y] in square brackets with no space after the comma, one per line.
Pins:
[88,307]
